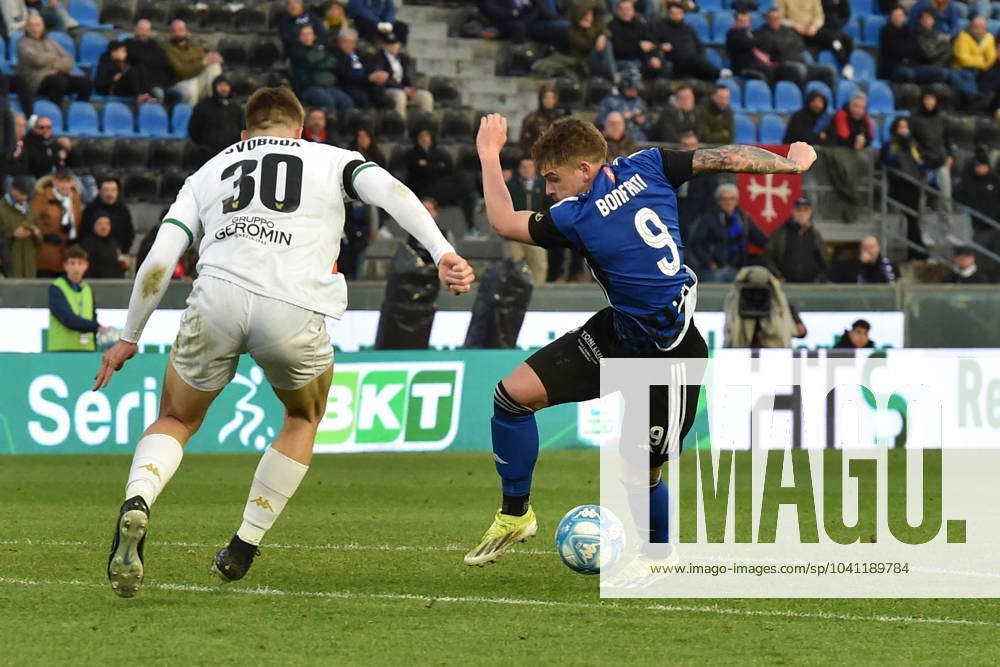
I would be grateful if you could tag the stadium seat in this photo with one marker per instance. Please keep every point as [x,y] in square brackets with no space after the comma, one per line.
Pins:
[92,45]
[63,40]
[873,28]
[864,66]
[907,95]
[233,51]
[444,91]
[772,129]
[745,130]
[455,126]
[880,99]
[180,115]
[714,57]
[81,121]
[131,154]
[993,26]
[142,185]
[657,92]
[862,8]
[44,107]
[823,89]
[711,6]
[94,154]
[787,97]
[960,24]
[721,23]
[193,14]
[853,28]
[736,95]
[263,53]
[219,18]
[390,126]
[827,58]
[87,15]
[118,120]
[877,133]
[756,96]
[243,84]
[597,89]
[118,14]
[171,184]
[886,134]
[845,89]
[166,153]
[417,120]
[251,19]
[156,12]
[699,22]
[153,121]
[570,91]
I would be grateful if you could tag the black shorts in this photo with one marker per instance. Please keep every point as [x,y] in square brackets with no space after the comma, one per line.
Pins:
[569,368]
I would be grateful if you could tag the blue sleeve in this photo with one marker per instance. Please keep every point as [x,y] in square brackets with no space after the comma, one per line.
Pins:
[60,309]
[914,18]
[358,8]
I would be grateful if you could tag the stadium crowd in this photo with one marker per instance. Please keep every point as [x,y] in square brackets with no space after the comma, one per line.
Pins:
[80,103]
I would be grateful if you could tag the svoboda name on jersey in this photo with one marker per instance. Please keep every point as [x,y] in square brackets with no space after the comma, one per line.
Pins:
[251,144]
[254,228]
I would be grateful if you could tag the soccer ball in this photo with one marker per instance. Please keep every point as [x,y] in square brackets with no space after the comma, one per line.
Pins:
[590,537]
[108,337]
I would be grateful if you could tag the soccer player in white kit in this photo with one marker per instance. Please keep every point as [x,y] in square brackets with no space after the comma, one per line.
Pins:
[268,215]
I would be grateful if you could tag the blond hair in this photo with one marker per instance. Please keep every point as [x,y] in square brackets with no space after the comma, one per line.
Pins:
[569,141]
[273,108]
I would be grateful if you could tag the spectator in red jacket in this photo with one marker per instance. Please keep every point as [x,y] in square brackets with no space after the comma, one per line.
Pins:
[851,125]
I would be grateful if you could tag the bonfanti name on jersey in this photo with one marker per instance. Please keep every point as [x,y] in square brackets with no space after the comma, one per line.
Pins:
[255,228]
[620,195]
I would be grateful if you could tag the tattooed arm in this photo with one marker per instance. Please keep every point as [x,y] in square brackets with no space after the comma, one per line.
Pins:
[753,160]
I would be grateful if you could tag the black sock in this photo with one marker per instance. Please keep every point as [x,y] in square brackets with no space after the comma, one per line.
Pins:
[514,505]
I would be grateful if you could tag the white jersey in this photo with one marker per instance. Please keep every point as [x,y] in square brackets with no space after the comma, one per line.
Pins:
[270,215]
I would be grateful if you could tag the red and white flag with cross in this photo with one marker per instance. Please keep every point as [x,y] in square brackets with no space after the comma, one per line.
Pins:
[769,198]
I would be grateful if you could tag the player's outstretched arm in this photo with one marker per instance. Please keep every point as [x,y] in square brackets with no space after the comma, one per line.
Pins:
[150,285]
[376,186]
[753,160]
[504,220]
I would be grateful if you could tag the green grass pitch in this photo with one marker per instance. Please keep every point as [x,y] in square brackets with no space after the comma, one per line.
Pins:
[364,566]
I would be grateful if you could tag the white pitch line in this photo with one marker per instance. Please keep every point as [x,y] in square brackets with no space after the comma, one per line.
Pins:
[347,595]
[353,546]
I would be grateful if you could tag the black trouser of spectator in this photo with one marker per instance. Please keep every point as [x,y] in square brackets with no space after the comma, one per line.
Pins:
[798,73]
[19,85]
[457,189]
[908,195]
[762,72]
[368,96]
[368,29]
[516,30]
[695,66]
[554,33]
[826,38]
[56,86]
[132,83]
[557,264]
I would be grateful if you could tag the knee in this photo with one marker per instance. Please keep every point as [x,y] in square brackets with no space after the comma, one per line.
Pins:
[504,401]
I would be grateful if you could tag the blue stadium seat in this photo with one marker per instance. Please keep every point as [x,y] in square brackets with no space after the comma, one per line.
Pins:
[181,114]
[756,96]
[714,57]
[92,45]
[827,58]
[65,41]
[880,98]
[712,6]
[962,10]
[699,22]
[721,23]
[12,41]
[745,130]
[50,109]
[862,8]
[845,89]
[81,120]
[736,95]
[993,26]
[772,129]
[853,29]
[864,66]
[960,24]
[876,134]
[118,120]
[873,27]
[787,97]
[823,89]
[87,14]
[153,120]
[807,57]
[887,128]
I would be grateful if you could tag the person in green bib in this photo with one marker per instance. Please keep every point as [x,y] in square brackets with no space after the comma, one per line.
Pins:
[73,322]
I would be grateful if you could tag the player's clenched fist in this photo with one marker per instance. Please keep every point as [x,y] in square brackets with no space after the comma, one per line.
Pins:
[455,273]
[492,134]
[803,154]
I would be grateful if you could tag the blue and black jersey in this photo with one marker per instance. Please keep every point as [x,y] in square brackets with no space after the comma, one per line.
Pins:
[627,228]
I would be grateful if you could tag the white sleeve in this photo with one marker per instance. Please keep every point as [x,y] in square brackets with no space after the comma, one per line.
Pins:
[374,185]
[185,212]
[153,277]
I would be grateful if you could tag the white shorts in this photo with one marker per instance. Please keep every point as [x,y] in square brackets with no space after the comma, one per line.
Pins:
[223,321]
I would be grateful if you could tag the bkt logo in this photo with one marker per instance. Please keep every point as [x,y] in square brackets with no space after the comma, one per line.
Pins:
[391,406]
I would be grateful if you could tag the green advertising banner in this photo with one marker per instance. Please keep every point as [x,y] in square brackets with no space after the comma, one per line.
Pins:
[379,401]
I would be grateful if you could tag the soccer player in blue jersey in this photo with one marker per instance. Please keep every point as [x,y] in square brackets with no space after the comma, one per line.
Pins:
[623,218]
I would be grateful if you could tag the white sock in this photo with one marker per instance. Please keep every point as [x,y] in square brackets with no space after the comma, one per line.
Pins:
[275,481]
[154,463]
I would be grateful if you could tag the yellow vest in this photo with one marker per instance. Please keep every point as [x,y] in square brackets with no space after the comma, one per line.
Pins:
[61,337]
